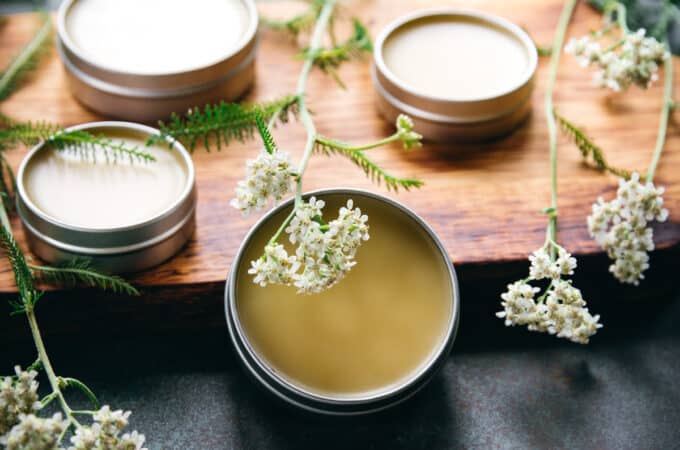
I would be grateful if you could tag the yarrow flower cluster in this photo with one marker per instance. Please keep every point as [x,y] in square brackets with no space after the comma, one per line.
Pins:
[18,395]
[267,177]
[560,310]
[324,251]
[635,59]
[623,229]
[35,433]
[105,433]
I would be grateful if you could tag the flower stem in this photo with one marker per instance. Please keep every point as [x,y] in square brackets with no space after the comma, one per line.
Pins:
[306,118]
[665,114]
[558,42]
[47,365]
[336,144]
[620,10]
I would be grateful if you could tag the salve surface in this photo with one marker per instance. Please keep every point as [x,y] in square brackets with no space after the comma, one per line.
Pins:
[156,36]
[456,58]
[372,330]
[101,194]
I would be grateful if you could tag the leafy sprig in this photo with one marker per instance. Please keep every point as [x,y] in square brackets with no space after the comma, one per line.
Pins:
[329,59]
[588,148]
[298,24]
[81,271]
[218,125]
[29,296]
[27,59]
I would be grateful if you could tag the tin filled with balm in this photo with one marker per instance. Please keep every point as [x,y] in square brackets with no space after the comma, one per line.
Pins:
[365,344]
[461,75]
[123,214]
[142,60]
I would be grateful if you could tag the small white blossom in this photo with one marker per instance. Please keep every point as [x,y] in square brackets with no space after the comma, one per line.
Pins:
[635,60]
[105,433]
[324,252]
[560,310]
[18,395]
[35,433]
[408,136]
[267,177]
[622,227]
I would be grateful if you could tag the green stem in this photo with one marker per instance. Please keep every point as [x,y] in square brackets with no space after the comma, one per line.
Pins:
[558,42]
[341,145]
[305,116]
[665,115]
[29,52]
[620,10]
[47,365]
[283,226]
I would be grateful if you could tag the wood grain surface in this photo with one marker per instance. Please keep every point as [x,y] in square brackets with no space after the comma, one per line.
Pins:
[483,200]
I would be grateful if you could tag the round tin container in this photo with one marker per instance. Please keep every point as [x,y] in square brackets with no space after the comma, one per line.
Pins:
[268,378]
[148,97]
[441,118]
[123,249]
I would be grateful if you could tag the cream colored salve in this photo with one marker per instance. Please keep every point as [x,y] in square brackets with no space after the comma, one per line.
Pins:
[374,329]
[456,58]
[156,36]
[101,194]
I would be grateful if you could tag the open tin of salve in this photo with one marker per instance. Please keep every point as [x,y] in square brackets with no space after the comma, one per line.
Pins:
[460,74]
[123,214]
[367,343]
[142,60]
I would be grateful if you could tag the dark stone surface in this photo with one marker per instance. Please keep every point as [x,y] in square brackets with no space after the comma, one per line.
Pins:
[188,392]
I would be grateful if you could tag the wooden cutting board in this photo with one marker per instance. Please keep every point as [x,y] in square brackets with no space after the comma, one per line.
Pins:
[483,200]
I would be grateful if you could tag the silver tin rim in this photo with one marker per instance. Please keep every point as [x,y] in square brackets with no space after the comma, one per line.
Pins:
[321,404]
[247,37]
[115,240]
[485,17]
[443,118]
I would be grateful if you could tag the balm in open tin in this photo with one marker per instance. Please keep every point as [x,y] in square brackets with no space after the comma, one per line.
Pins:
[125,215]
[461,75]
[365,344]
[142,60]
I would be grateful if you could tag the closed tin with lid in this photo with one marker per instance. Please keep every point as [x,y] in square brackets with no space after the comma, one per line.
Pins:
[460,74]
[142,61]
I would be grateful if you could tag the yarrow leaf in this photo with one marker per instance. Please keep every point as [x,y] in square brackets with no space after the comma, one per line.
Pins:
[588,148]
[26,60]
[217,125]
[80,270]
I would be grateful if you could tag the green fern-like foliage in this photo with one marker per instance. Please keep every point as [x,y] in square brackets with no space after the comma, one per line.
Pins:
[80,271]
[329,59]
[22,274]
[378,175]
[81,141]
[588,148]
[217,125]
[298,24]
[26,60]
[267,139]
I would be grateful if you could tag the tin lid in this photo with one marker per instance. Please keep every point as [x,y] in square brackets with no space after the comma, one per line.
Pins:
[164,83]
[119,239]
[499,102]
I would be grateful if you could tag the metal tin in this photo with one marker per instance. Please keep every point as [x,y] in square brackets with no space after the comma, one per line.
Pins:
[152,97]
[117,250]
[450,119]
[268,378]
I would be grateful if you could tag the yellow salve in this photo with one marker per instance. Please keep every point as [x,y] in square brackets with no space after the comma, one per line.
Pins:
[370,332]
[456,57]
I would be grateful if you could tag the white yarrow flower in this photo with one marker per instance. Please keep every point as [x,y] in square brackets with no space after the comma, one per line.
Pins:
[324,251]
[622,227]
[635,60]
[34,433]
[267,177]
[560,310]
[18,395]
